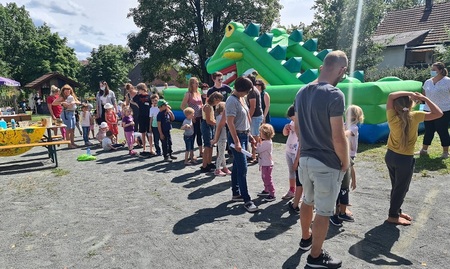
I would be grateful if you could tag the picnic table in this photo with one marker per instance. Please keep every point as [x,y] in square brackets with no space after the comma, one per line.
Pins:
[20,140]
[16,117]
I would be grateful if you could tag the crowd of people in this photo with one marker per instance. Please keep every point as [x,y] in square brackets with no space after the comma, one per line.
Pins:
[321,146]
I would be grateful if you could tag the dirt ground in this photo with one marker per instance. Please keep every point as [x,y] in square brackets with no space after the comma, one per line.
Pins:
[129,212]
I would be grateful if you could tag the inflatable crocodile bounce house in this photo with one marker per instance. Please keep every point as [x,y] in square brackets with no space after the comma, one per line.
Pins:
[286,63]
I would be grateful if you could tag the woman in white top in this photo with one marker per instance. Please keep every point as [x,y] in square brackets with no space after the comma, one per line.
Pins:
[104,95]
[437,89]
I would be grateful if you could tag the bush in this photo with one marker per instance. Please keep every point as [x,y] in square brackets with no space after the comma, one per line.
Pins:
[405,73]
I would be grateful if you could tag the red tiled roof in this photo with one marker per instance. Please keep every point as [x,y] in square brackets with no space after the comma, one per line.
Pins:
[436,21]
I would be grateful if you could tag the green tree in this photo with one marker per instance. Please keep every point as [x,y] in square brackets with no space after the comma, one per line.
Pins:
[334,24]
[27,52]
[48,52]
[16,30]
[110,63]
[188,32]
[405,4]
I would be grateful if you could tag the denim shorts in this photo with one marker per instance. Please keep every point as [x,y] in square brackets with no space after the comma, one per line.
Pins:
[189,142]
[68,118]
[207,133]
[256,123]
[321,185]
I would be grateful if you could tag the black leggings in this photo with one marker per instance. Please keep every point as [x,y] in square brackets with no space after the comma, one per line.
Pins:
[441,127]
[401,168]
[102,118]
[197,131]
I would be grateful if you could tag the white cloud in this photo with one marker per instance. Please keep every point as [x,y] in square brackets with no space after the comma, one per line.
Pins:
[84,29]
[81,45]
[296,11]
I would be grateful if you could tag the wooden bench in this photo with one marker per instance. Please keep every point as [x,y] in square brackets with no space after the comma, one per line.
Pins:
[54,137]
[16,117]
[51,146]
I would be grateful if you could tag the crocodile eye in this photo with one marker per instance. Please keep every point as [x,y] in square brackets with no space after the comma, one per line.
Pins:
[229,30]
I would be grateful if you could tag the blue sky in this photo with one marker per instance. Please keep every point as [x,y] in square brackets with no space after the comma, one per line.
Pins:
[89,23]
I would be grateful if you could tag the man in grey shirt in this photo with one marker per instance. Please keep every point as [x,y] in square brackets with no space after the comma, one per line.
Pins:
[319,109]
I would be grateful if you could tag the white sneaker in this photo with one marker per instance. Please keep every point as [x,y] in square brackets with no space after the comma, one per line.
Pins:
[251,207]
[445,155]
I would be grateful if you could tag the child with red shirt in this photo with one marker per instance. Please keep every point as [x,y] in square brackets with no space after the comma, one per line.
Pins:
[111,120]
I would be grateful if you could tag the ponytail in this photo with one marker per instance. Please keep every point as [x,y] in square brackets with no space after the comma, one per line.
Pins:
[403,106]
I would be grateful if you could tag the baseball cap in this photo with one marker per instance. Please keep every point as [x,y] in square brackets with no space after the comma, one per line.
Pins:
[162,102]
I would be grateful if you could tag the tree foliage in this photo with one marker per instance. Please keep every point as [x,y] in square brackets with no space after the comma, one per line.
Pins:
[16,29]
[110,63]
[188,32]
[405,4]
[334,24]
[28,52]
[48,52]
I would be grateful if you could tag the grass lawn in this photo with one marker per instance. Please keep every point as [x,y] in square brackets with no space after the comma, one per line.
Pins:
[371,152]
[375,153]
[37,117]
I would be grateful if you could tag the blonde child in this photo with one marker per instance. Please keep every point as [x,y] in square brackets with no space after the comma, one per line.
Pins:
[103,128]
[188,135]
[354,116]
[128,128]
[111,120]
[295,187]
[264,149]
[403,123]
[220,138]
[86,123]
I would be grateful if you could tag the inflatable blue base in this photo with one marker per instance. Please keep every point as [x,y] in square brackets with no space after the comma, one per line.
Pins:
[368,133]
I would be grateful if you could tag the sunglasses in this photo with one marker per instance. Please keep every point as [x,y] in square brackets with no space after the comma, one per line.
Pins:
[258,84]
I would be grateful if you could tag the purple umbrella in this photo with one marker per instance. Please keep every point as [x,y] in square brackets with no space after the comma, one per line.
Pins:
[9,82]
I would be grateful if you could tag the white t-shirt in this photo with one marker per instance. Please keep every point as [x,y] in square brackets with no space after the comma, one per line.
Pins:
[106,142]
[353,139]
[438,93]
[292,140]
[70,100]
[86,119]
[153,113]
[103,99]
[188,131]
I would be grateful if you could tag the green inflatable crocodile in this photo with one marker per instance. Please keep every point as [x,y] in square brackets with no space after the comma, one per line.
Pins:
[286,63]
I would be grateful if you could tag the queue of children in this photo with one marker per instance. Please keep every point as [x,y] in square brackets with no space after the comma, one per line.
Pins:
[155,124]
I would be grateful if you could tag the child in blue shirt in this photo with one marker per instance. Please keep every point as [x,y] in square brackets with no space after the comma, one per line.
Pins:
[164,119]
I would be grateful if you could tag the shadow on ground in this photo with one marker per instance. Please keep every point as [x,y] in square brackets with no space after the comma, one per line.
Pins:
[207,215]
[376,246]
[20,167]
[273,215]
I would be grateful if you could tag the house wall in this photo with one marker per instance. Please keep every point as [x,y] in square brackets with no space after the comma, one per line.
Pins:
[393,57]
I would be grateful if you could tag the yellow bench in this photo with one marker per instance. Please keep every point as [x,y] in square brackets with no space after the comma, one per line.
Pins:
[51,146]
